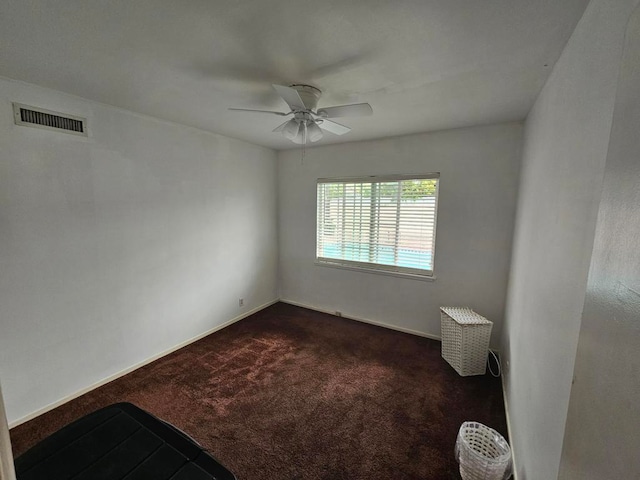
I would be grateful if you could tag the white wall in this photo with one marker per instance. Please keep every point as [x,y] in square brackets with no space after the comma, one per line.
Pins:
[117,247]
[565,146]
[602,439]
[479,174]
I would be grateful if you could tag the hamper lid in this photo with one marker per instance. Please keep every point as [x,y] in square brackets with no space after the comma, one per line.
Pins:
[465,315]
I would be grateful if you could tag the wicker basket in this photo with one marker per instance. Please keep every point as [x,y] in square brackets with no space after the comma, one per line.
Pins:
[465,340]
[483,454]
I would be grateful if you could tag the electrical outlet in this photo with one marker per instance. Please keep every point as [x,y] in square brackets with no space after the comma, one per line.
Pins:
[241,302]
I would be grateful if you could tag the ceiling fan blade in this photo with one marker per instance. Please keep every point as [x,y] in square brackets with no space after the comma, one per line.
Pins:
[333,127]
[258,111]
[280,127]
[355,110]
[291,96]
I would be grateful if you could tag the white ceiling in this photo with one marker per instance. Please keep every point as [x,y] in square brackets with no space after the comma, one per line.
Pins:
[422,65]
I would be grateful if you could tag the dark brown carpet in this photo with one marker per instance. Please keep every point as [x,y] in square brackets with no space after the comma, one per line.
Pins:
[290,393]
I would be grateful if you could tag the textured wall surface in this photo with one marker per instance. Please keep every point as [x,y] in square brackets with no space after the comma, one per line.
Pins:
[565,148]
[602,439]
[119,246]
[478,187]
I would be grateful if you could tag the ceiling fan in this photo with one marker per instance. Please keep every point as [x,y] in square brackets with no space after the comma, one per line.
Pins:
[308,121]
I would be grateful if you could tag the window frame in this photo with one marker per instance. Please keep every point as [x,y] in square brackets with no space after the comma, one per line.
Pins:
[370,267]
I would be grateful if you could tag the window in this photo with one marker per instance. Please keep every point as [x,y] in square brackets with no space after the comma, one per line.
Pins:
[378,223]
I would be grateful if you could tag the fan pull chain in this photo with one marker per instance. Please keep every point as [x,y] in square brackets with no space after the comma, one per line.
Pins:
[304,143]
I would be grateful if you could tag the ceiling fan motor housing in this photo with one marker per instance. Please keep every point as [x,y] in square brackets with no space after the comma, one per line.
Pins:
[308,94]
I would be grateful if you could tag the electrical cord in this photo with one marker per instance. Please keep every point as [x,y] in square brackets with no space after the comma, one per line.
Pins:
[495,357]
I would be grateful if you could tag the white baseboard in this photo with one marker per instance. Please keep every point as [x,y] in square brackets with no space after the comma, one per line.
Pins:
[364,320]
[121,373]
[509,430]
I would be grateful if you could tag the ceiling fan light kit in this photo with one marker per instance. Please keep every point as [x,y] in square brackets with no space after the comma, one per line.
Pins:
[308,121]
[314,133]
[291,129]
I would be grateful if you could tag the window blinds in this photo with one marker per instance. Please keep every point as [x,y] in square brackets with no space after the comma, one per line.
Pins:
[381,223]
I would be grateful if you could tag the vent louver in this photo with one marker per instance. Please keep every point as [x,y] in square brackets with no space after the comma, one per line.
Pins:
[38,117]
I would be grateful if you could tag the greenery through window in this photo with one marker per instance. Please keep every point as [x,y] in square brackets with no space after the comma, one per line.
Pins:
[380,223]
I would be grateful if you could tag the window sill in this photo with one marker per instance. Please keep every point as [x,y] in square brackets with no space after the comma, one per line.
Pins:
[411,276]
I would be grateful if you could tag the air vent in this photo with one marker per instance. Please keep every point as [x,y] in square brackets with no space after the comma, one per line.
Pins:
[40,118]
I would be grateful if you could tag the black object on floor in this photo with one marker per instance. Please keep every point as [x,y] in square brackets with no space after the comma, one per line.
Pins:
[115,442]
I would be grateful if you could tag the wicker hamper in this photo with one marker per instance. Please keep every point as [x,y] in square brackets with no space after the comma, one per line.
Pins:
[465,340]
[483,454]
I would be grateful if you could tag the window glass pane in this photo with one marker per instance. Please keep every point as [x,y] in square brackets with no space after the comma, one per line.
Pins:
[388,224]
